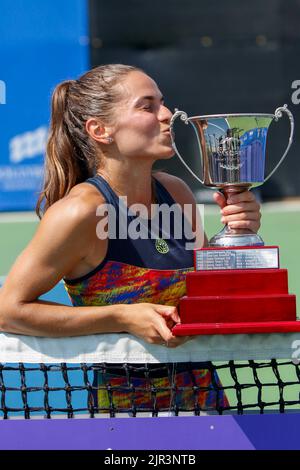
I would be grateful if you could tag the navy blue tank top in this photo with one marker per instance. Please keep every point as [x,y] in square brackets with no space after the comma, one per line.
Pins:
[146,260]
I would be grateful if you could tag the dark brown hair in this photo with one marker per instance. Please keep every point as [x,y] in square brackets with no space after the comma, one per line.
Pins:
[72,155]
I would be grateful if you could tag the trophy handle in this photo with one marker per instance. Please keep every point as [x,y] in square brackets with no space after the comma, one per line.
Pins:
[278,115]
[184,117]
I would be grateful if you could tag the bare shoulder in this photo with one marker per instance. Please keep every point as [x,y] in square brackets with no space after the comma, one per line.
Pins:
[71,222]
[79,206]
[178,189]
[62,243]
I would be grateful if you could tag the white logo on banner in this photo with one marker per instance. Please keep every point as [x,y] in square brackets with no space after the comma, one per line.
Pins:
[28,145]
[2,92]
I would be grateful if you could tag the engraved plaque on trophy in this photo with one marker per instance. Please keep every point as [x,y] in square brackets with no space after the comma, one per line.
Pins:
[237,258]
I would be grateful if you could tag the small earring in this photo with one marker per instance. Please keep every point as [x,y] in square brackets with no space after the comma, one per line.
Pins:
[109,139]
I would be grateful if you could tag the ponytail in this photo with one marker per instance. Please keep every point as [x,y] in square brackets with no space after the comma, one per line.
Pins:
[65,165]
[72,155]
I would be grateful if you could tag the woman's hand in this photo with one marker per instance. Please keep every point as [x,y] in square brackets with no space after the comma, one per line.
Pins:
[240,211]
[153,323]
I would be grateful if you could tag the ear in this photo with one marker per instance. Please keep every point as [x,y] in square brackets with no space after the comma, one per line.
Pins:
[98,131]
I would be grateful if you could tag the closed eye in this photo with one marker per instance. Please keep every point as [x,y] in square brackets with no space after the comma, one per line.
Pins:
[149,103]
[152,106]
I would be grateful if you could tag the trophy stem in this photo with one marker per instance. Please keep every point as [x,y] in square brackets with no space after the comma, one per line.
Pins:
[230,237]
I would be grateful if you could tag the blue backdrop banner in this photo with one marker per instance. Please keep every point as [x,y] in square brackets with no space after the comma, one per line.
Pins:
[41,44]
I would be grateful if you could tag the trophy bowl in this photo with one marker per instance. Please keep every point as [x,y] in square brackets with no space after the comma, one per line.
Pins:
[232,149]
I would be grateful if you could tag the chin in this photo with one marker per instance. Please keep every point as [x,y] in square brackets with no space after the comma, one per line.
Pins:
[167,153]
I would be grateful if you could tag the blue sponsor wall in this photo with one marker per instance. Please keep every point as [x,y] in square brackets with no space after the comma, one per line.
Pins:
[41,44]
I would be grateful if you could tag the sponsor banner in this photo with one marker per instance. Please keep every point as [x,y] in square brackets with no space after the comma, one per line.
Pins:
[40,45]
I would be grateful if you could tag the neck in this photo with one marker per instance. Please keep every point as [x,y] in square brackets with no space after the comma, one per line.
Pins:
[131,180]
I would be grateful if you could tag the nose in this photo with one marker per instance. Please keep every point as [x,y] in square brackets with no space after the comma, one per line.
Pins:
[164,114]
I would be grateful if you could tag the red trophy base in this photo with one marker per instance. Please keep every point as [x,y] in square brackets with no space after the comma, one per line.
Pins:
[231,300]
[190,329]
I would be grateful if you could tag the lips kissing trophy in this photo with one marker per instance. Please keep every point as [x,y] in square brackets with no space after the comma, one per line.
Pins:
[237,285]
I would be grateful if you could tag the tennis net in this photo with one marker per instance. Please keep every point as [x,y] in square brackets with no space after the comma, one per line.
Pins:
[113,375]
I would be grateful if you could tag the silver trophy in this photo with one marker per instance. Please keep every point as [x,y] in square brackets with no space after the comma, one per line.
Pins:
[231,148]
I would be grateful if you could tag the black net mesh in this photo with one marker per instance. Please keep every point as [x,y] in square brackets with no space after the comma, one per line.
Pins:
[29,390]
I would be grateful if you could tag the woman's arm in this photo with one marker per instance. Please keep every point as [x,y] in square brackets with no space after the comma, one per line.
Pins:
[63,240]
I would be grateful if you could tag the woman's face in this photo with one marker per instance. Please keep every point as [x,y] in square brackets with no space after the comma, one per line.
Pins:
[141,127]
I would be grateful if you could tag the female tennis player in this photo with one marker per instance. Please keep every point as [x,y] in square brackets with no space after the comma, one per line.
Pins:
[107,130]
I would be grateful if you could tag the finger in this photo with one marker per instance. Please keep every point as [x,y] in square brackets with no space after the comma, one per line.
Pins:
[168,312]
[172,317]
[170,323]
[165,335]
[163,330]
[178,341]
[219,198]
[161,338]
[242,207]
[236,198]
[245,224]
[240,216]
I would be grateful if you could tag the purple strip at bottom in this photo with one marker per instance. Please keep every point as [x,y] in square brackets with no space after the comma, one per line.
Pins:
[169,433]
[273,431]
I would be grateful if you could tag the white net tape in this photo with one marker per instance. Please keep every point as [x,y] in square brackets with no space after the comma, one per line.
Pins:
[119,348]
